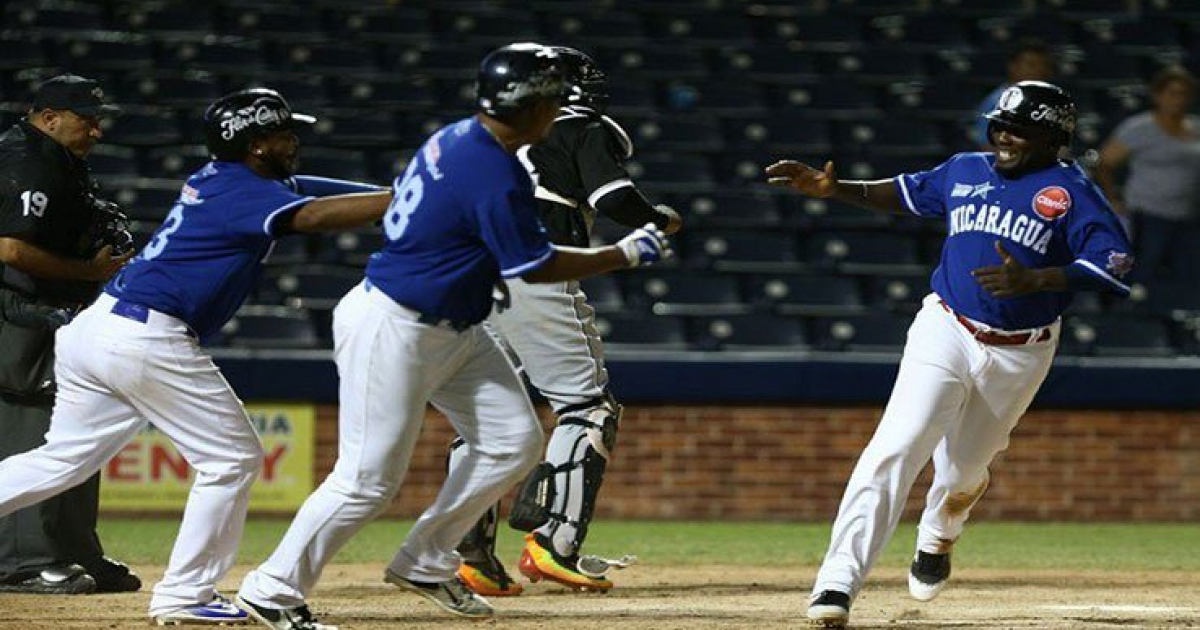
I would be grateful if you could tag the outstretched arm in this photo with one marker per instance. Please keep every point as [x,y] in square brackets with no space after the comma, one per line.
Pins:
[879,195]
[336,213]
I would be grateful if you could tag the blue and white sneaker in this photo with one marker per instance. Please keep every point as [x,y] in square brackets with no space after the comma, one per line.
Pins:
[220,611]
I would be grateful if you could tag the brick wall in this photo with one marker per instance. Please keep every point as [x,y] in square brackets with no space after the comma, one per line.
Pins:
[790,463]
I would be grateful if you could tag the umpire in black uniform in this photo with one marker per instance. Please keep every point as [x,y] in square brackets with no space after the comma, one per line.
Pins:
[57,243]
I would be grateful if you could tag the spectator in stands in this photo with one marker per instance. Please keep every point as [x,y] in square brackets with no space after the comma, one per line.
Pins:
[1161,148]
[1029,60]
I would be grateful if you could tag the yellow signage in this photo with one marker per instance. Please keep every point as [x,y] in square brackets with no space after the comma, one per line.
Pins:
[149,474]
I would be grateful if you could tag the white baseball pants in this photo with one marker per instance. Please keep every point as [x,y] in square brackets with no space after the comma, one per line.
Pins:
[114,374]
[552,329]
[955,399]
[391,366]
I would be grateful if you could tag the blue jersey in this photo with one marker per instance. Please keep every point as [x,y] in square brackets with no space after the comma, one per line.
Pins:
[1055,217]
[462,216]
[207,255]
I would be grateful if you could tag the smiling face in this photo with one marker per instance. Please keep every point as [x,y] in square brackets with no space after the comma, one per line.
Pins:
[1021,150]
[275,155]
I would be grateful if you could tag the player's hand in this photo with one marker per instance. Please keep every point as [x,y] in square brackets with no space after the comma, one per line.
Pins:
[804,178]
[104,264]
[645,245]
[674,221]
[1009,279]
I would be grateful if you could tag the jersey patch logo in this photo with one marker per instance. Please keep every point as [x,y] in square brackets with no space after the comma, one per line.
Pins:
[1119,263]
[972,190]
[1052,202]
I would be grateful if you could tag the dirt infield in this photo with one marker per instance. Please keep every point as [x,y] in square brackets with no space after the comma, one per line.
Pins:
[668,598]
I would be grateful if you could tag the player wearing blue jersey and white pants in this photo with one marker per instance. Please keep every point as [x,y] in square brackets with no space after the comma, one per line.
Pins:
[463,217]
[134,357]
[1025,230]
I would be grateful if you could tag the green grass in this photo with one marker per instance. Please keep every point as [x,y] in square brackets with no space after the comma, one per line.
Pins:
[995,545]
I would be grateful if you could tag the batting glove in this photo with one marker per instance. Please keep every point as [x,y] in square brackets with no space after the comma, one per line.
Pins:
[645,246]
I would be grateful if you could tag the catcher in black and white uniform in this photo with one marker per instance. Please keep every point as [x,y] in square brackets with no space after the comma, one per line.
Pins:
[578,171]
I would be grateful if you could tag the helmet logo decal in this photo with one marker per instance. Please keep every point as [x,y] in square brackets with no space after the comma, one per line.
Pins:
[540,84]
[1052,202]
[261,115]
[1059,116]
[1011,99]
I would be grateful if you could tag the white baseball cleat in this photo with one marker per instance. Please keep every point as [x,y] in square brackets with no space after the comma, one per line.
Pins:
[928,575]
[829,609]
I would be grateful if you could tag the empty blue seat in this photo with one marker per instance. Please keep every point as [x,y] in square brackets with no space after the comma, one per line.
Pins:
[144,127]
[784,133]
[734,250]
[348,164]
[873,332]
[55,17]
[650,332]
[330,59]
[806,295]
[1134,34]
[1175,298]
[402,93]
[928,32]
[486,24]
[304,92]
[112,52]
[715,29]
[592,28]
[767,64]
[236,56]
[695,133]
[895,136]
[862,251]
[835,98]
[715,96]
[880,64]
[728,208]
[657,62]
[1120,335]
[677,173]
[148,200]
[824,30]
[897,292]
[108,160]
[173,89]
[309,286]
[454,61]
[163,18]
[357,129]
[177,162]
[684,293]
[1088,9]
[274,21]
[352,248]
[392,23]
[1103,66]
[603,293]
[749,332]
[270,327]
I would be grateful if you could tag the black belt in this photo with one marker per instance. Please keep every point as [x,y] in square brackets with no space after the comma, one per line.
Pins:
[429,319]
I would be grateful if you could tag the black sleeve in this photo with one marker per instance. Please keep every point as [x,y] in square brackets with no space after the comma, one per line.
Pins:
[599,159]
[627,206]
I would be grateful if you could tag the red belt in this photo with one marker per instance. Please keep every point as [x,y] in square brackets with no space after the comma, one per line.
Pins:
[993,338]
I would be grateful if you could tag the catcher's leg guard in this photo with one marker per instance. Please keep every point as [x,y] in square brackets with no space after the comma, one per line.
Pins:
[579,450]
[481,570]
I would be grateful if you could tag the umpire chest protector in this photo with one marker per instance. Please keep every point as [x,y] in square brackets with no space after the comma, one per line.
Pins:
[584,151]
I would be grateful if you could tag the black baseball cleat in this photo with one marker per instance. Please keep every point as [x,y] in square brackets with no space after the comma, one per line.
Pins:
[113,577]
[928,574]
[63,579]
[298,618]
[829,609]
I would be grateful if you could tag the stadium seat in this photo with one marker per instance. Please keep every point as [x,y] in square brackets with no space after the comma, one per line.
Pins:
[670,172]
[603,293]
[684,293]
[716,96]
[347,164]
[892,137]
[705,29]
[270,327]
[49,17]
[863,252]
[782,133]
[654,62]
[148,200]
[806,295]
[225,55]
[748,333]
[163,18]
[593,28]
[1119,335]
[836,98]
[692,133]
[142,127]
[110,160]
[738,209]
[879,64]
[188,89]
[871,332]
[308,286]
[827,214]
[359,129]
[393,23]
[395,93]
[353,248]
[18,53]
[741,250]
[177,162]
[648,332]
[767,64]
[341,60]
[106,52]
[273,22]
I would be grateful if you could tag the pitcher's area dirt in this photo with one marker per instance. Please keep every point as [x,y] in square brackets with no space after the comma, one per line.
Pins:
[354,597]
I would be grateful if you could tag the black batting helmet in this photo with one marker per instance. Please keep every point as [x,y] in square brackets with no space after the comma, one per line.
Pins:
[1035,106]
[585,80]
[234,120]
[517,75]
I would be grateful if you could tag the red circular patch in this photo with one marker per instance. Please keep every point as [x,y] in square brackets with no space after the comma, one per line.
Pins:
[1052,202]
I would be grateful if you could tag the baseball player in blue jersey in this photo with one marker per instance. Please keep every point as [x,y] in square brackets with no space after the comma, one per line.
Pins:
[462,218]
[1025,230]
[134,357]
